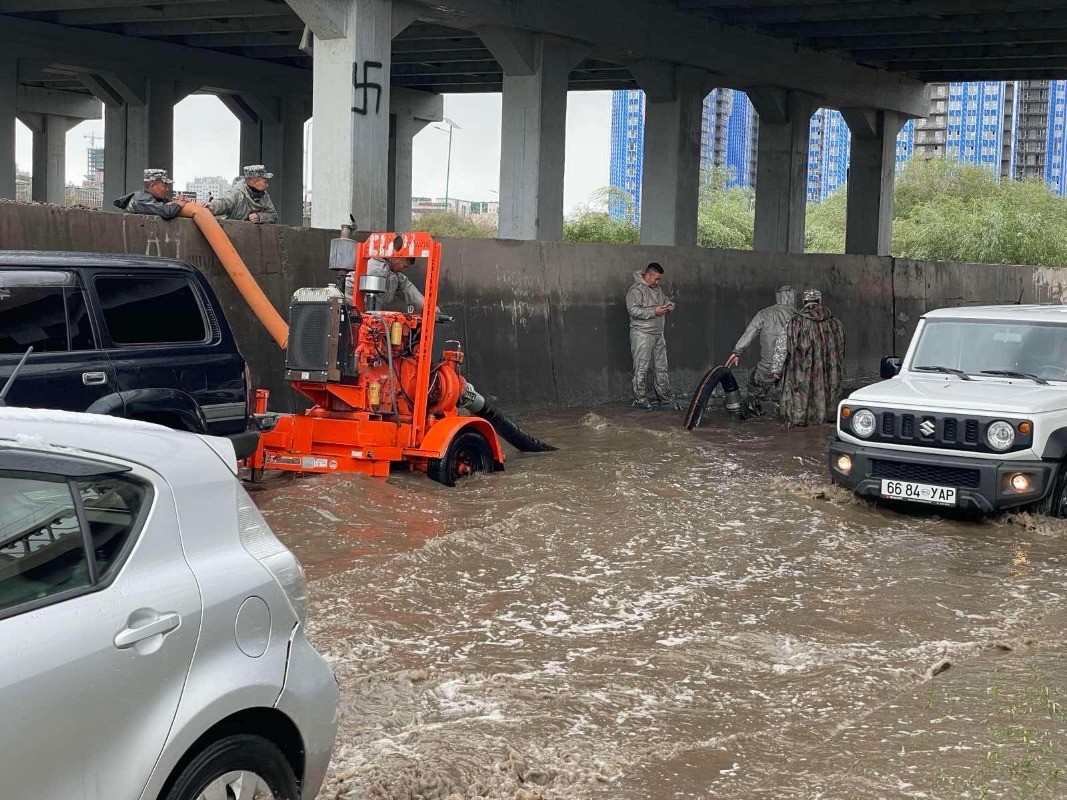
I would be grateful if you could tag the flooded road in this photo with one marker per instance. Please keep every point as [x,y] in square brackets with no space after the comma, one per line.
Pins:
[650,613]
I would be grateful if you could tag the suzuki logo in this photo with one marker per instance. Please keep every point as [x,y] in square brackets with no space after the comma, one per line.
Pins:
[927,428]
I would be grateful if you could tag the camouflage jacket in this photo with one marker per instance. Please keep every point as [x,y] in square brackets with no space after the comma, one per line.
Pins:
[810,357]
[240,203]
[141,202]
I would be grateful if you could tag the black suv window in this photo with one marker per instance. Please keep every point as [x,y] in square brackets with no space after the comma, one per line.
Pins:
[44,309]
[48,523]
[151,309]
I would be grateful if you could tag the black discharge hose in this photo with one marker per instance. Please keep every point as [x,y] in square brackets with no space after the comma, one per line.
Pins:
[712,378]
[503,425]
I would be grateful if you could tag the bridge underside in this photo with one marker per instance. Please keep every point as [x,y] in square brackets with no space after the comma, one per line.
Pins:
[372,72]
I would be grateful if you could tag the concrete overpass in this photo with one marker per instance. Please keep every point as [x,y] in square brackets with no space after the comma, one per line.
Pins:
[371,73]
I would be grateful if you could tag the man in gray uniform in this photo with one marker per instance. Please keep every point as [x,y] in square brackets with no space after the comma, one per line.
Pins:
[153,198]
[767,324]
[397,285]
[648,306]
[247,199]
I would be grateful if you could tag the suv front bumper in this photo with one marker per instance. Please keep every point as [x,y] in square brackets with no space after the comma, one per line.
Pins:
[993,492]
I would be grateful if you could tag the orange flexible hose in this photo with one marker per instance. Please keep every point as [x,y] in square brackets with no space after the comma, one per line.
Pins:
[238,272]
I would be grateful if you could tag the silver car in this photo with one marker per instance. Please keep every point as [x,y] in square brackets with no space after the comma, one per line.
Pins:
[151,626]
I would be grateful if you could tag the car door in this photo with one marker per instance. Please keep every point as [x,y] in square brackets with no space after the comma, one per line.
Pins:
[166,349]
[47,309]
[94,651]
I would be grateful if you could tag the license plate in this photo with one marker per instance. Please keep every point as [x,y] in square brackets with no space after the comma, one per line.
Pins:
[919,492]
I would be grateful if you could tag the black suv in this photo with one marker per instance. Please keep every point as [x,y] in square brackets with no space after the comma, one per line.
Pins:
[132,336]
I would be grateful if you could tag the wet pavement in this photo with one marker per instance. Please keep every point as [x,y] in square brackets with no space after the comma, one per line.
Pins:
[651,613]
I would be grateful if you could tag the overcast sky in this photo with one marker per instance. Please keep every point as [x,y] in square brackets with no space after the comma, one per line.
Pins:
[209,138]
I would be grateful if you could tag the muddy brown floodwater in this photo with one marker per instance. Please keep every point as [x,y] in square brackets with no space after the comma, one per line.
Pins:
[649,613]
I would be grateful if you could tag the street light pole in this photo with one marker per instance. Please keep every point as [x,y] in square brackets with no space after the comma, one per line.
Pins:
[448,164]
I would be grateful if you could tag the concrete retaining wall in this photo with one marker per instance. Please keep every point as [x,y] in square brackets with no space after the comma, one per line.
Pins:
[544,323]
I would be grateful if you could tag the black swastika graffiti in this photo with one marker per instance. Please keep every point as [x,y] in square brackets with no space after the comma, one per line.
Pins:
[367,86]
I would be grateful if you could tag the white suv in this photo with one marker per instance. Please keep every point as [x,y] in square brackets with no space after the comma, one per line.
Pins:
[975,416]
[151,626]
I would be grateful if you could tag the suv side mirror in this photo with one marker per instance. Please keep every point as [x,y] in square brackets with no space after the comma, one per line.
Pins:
[890,367]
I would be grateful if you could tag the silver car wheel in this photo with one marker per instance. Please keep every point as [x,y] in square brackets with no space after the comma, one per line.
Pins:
[241,785]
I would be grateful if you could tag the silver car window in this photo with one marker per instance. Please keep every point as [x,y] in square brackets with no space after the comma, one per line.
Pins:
[48,523]
[42,552]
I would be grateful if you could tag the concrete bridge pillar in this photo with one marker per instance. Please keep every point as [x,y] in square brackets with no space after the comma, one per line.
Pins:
[138,132]
[782,168]
[272,134]
[533,130]
[8,109]
[671,183]
[352,48]
[49,156]
[871,178]
[411,112]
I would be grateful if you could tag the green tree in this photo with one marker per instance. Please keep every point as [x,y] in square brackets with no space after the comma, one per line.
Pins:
[948,211]
[725,216]
[591,221]
[447,223]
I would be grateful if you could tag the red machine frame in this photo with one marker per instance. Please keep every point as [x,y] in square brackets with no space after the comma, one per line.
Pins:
[344,432]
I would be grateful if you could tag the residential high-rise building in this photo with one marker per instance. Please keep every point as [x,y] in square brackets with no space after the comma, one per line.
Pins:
[828,143]
[728,140]
[96,160]
[1016,129]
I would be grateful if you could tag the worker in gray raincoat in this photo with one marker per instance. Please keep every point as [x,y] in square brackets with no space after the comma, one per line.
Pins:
[153,198]
[400,293]
[648,306]
[767,324]
[247,199]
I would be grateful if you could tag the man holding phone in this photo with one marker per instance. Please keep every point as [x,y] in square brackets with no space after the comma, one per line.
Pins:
[648,306]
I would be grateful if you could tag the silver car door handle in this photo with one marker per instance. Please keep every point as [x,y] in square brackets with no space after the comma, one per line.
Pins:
[94,378]
[128,637]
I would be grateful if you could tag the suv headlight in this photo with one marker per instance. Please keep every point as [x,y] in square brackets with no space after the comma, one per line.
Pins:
[863,423]
[1000,436]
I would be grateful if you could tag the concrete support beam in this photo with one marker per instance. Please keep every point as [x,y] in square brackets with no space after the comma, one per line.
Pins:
[327,19]
[533,130]
[871,178]
[351,102]
[671,183]
[624,31]
[49,169]
[411,112]
[272,133]
[781,168]
[8,108]
[139,134]
[82,50]
[35,100]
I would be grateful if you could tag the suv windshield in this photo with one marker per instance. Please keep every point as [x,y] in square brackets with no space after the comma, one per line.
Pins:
[976,347]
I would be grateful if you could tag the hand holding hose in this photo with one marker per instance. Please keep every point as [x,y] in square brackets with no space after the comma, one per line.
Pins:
[733,360]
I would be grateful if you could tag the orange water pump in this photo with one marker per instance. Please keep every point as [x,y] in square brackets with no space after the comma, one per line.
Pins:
[379,399]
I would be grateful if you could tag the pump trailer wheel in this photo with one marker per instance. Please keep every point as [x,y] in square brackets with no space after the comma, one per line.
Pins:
[467,454]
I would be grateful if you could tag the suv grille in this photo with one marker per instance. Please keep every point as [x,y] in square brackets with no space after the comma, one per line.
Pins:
[933,429]
[926,473]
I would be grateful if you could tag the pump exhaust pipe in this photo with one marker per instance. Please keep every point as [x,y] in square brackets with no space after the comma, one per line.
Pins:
[477,404]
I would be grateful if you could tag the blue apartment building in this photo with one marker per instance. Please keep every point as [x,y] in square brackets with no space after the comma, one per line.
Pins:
[1017,129]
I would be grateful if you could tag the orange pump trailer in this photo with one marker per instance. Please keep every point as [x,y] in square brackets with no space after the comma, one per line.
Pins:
[399,411]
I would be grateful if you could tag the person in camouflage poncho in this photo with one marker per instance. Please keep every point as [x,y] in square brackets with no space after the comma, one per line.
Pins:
[809,358]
